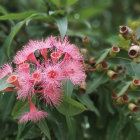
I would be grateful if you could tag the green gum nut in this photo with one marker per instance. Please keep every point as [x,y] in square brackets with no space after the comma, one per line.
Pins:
[134,108]
[135,84]
[134,51]
[114,50]
[113,75]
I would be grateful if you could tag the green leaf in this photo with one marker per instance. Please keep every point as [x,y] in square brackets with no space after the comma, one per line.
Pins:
[136,69]
[99,78]
[14,31]
[124,89]
[3,11]
[62,24]
[70,107]
[18,15]
[58,124]
[4,84]
[71,127]
[85,99]
[89,12]
[6,104]
[71,2]
[20,107]
[103,56]
[23,129]
[64,3]
[113,40]
[68,88]
[42,124]
[56,2]
[116,127]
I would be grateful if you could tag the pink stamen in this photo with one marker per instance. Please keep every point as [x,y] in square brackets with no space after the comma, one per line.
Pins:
[36,76]
[24,67]
[52,74]
[55,56]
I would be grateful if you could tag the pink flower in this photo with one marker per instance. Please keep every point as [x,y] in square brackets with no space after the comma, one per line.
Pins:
[27,86]
[53,74]
[75,72]
[5,70]
[34,114]
[36,77]
[27,53]
[24,67]
[43,66]
[52,95]
[69,49]
[55,56]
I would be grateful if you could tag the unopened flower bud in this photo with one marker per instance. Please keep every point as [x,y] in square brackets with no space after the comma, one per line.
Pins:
[113,75]
[125,98]
[82,88]
[135,83]
[122,99]
[13,80]
[126,32]
[114,50]
[134,108]
[134,51]
[102,66]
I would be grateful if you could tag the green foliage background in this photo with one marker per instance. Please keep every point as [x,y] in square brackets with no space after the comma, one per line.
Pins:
[90,116]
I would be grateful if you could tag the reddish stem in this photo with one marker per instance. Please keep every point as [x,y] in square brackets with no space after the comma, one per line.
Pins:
[126,92]
[105,59]
[90,69]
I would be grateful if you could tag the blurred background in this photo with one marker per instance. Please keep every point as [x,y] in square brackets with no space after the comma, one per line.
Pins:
[97,19]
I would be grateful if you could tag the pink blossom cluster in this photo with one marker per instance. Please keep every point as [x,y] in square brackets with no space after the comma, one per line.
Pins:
[42,68]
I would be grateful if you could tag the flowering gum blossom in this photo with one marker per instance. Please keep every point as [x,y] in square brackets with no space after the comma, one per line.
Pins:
[24,67]
[55,56]
[36,76]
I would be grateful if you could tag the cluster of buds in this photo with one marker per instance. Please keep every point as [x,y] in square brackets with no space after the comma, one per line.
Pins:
[103,66]
[42,68]
[125,99]
[128,34]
